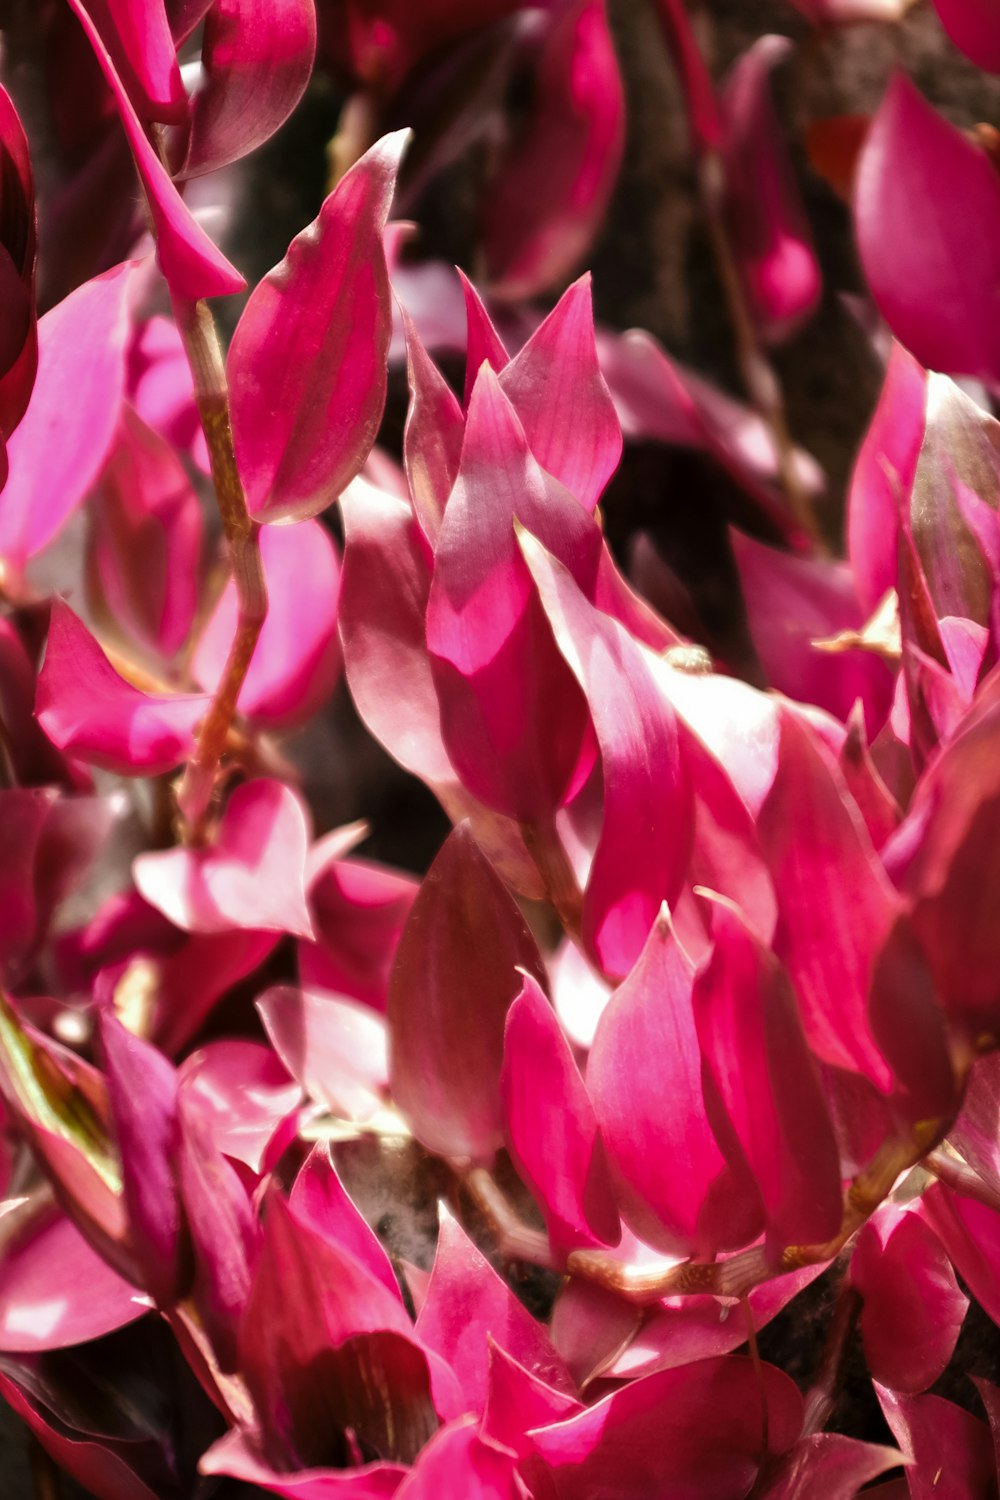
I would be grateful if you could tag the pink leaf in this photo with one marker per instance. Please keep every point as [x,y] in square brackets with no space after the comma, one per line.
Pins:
[641,857]
[883,478]
[974,26]
[764,1084]
[239,1454]
[483,345]
[458,1465]
[297,658]
[644,1074]
[319,1196]
[193,266]
[950,1453]
[828,1464]
[138,37]
[552,190]
[146,539]
[307,364]
[699,95]
[253,876]
[60,447]
[552,1132]
[556,387]
[256,59]
[432,440]
[358,912]
[56,1291]
[913,1308]
[451,985]
[467,1306]
[88,710]
[932,261]
[664,1435]
[770,230]
[835,902]
[335,1049]
[518,1400]
[512,717]
[18,254]
[161,388]
[244,1093]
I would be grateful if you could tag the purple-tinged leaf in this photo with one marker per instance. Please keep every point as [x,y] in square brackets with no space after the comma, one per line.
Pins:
[56,1291]
[142,1093]
[974,26]
[883,478]
[644,1075]
[467,1307]
[693,1433]
[335,1049]
[454,978]
[256,59]
[193,266]
[828,1464]
[908,1024]
[253,875]
[913,1307]
[297,658]
[61,445]
[307,364]
[433,436]
[835,902]
[552,189]
[770,230]
[646,832]
[932,259]
[949,1453]
[970,1233]
[555,385]
[146,539]
[457,1464]
[552,1133]
[764,1084]
[513,719]
[881,812]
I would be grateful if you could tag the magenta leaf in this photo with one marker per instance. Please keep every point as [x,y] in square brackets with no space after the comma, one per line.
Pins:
[307,364]
[513,719]
[974,26]
[454,978]
[552,1133]
[767,218]
[483,345]
[239,1455]
[193,266]
[142,1093]
[692,1433]
[319,1196]
[432,440]
[553,187]
[335,1049]
[976,1132]
[457,1462]
[87,709]
[137,34]
[699,95]
[256,59]
[146,539]
[764,1084]
[970,1233]
[828,1464]
[244,1093]
[883,478]
[467,1306]
[297,659]
[56,1291]
[835,902]
[253,876]
[641,856]
[161,388]
[913,1307]
[518,1401]
[358,912]
[555,385]
[644,1074]
[18,253]
[931,260]
[61,445]
[938,1438]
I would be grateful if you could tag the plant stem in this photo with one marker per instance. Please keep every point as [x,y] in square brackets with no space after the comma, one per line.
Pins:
[822,1393]
[204,352]
[44,1474]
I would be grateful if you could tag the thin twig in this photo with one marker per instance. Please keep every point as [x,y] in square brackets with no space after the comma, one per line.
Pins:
[204,352]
